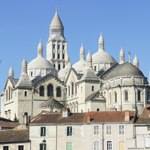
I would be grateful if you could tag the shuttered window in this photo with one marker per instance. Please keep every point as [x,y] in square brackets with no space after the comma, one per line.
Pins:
[108,129]
[121,129]
[69,146]
[43,131]
[147,142]
[5,147]
[96,130]
[109,145]
[69,131]
[96,145]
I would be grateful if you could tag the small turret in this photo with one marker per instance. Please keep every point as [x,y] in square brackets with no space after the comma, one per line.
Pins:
[136,62]
[24,66]
[82,52]
[11,72]
[40,49]
[101,43]
[122,56]
[89,60]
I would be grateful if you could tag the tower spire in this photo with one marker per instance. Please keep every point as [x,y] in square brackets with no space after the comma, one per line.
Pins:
[122,60]
[82,52]
[101,43]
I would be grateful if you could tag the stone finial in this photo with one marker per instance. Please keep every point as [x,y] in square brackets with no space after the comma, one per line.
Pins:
[129,57]
[56,8]
[136,62]
[11,72]
[40,49]
[122,56]
[101,43]
[82,52]
[24,66]
[89,60]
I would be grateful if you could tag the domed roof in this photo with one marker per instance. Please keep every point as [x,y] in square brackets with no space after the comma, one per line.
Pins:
[102,57]
[79,66]
[40,62]
[56,22]
[125,69]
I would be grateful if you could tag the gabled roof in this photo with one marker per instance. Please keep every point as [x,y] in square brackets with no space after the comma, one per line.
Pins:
[10,136]
[105,116]
[92,97]
[69,72]
[145,116]
[51,103]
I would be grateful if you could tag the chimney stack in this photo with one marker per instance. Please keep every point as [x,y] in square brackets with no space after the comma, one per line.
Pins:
[127,117]
[65,112]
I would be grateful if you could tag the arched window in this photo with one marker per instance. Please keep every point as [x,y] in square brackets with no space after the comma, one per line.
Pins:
[139,95]
[69,90]
[31,73]
[58,92]
[97,109]
[94,68]
[41,90]
[58,67]
[109,98]
[25,93]
[126,96]
[72,88]
[147,96]
[50,90]
[9,92]
[63,56]
[115,97]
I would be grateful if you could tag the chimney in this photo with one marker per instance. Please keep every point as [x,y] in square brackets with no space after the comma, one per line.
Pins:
[127,117]
[88,118]
[65,112]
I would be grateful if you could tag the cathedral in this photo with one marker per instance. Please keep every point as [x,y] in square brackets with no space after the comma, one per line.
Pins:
[95,83]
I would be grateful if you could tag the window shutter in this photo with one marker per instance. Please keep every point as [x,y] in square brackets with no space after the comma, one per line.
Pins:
[65,131]
[39,129]
[46,131]
[147,142]
[44,146]
[73,128]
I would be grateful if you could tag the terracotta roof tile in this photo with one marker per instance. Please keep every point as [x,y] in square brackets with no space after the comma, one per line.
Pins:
[117,116]
[14,136]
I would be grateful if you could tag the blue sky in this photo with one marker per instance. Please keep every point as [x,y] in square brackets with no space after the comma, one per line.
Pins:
[123,23]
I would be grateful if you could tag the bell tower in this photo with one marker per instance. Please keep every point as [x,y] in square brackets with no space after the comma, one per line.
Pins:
[56,46]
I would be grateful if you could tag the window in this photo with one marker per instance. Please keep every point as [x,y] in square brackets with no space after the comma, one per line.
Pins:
[109,98]
[58,46]
[31,73]
[50,90]
[75,88]
[96,130]
[109,145]
[58,92]
[126,96]
[58,56]
[63,56]
[97,109]
[53,46]
[108,129]
[69,146]
[43,131]
[25,93]
[148,128]
[58,67]
[115,97]
[94,68]
[139,96]
[63,46]
[5,148]
[54,65]
[121,129]
[42,146]
[69,131]
[96,145]
[69,90]
[53,55]
[41,90]
[20,147]
[147,142]
[92,88]
[72,88]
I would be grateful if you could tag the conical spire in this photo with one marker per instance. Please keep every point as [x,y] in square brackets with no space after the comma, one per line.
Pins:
[136,62]
[89,60]
[40,49]
[82,52]
[122,56]
[24,80]
[11,72]
[101,43]
[56,24]
[24,66]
